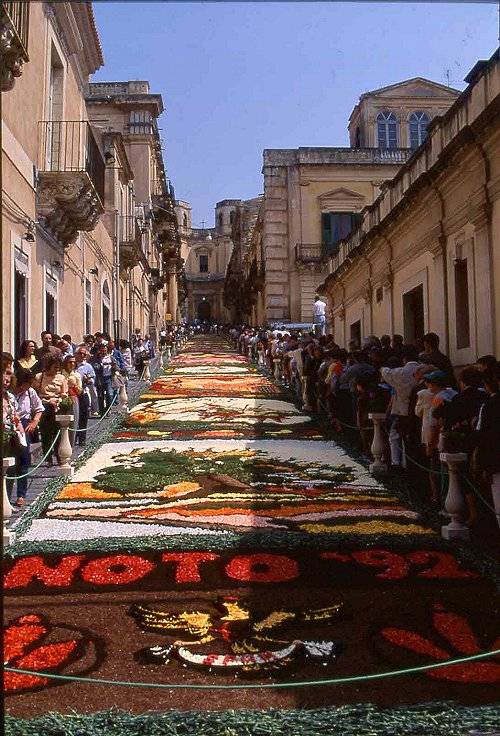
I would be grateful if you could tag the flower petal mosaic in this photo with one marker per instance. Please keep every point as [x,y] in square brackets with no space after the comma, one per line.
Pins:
[219,537]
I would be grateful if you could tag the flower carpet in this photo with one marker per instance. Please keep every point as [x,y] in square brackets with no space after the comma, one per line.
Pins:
[217,559]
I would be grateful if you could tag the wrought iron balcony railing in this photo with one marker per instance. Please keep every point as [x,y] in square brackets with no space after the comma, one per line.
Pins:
[70,146]
[14,29]
[70,189]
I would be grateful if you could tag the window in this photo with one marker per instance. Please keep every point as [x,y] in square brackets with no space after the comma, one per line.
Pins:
[357,138]
[221,221]
[387,130]
[88,306]
[379,294]
[50,302]
[185,220]
[336,226]
[106,306]
[462,316]
[231,217]
[203,263]
[418,128]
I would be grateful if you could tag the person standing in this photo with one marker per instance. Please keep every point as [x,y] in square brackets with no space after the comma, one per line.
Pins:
[47,350]
[26,358]
[87,374]
[29,411]
[75,388]
[402,380]
[488,438]
[319,316]
[51,387]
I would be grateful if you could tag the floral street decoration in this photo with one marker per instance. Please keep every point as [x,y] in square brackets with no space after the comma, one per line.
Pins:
[196,488]
[249,385]
[239,638]
[207,490]
[28,643]
[217,417]
[452,637]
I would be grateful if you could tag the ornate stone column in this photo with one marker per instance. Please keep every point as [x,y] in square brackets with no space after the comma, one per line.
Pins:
[172,290]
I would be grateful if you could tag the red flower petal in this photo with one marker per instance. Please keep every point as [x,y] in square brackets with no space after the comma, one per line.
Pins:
[456,630]
[414,643]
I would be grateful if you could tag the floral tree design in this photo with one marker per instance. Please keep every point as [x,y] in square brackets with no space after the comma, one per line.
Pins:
[461,641]
[146,471]
[25,647]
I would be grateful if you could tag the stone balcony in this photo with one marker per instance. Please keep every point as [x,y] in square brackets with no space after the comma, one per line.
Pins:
[14,28]
[70,187]
[313,253]
[202,277]
[131,244]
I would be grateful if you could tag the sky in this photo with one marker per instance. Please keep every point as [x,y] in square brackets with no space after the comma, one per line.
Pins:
[237,78]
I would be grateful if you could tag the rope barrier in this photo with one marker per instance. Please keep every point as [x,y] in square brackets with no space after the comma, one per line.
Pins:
[257,686]
[476,491]
[35,467]
[86,429]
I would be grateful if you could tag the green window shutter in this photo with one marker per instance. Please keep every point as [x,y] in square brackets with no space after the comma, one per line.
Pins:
[326,228]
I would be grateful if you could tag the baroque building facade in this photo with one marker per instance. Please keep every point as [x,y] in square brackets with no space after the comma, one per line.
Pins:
[70,213]
[426,254]
[313,196]
[206,252]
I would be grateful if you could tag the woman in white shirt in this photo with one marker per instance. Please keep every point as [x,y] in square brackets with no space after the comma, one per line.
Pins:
[29,411]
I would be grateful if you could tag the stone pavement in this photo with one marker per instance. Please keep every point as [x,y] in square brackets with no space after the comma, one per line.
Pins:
[219,540]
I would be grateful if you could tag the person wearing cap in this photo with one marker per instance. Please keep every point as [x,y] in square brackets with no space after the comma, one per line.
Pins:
[435,394]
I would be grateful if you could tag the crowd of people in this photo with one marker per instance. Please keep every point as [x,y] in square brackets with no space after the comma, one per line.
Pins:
[427,408]
[58,376]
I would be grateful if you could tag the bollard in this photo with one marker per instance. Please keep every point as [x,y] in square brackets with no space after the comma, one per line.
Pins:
[64,450]
[262,358]
[378,444]
[8,536]
[277,368]
[146,374]
[122,396]
[454,504]
[168,353]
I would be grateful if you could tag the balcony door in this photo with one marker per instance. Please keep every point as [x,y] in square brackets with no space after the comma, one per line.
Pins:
[53,128]
[413,314]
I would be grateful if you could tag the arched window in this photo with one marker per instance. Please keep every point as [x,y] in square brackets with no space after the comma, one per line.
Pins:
[418,128]
[231,217]
[220,220]
[357,138]
[185,220]
[387,130]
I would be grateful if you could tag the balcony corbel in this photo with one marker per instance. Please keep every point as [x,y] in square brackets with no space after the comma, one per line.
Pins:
[70,179]
[14,24]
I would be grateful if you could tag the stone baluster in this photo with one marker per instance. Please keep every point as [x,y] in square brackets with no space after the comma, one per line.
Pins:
[378,444]
[168,354]
[277,368]
[454,504]
[146,374]
[8,536]
[122,396]
[64,449]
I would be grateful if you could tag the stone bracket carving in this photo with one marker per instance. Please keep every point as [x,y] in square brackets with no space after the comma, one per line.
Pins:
[12,55]
[68,203]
